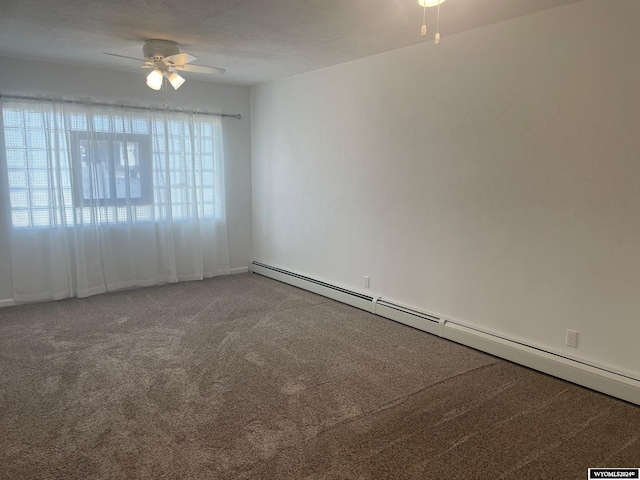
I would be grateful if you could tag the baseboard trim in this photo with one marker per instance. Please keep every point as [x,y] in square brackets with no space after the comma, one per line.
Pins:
[235,271]
[8,303]
[591,376]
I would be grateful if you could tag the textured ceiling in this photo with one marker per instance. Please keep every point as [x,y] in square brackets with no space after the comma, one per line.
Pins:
[255,40]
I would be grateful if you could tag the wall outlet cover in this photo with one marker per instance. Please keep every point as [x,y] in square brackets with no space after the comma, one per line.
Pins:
[572,338]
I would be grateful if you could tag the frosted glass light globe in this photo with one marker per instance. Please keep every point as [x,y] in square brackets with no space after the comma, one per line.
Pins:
[154,79]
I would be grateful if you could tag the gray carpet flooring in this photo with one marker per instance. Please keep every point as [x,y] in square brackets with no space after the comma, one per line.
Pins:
[243,377]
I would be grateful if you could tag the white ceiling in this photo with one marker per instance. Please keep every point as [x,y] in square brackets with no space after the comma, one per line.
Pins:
[255,40]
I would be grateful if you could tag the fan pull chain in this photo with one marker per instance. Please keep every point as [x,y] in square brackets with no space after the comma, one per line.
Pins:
[423,32]
[437,39]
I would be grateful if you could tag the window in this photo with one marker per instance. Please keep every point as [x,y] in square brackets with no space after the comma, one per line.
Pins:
[76,164]
[112,170]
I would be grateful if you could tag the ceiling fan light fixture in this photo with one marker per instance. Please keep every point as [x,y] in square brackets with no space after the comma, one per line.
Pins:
[164,58]
[430,3]
[175,80]
[154,79]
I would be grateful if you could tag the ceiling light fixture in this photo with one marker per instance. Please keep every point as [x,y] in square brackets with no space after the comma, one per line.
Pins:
[175,79]
[155,79]
[164,58]
[430,3]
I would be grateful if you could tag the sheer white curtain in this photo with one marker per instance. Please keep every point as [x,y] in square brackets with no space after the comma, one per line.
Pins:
[105,198]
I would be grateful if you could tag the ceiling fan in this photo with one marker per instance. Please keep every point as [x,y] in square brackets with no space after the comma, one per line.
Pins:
[164,57]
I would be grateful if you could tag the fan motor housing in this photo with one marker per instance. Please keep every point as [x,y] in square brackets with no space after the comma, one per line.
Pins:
[159,49]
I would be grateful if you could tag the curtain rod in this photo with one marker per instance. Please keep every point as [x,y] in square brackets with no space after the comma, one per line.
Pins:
[132,107]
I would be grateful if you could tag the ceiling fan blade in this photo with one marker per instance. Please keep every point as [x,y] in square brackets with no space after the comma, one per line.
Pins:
[124,56]
[199,69]
[180,58]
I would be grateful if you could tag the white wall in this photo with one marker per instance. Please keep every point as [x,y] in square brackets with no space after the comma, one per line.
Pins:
[27,77]
[492,179]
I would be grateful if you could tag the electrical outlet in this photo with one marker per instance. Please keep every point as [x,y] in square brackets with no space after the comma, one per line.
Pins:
[366,282]
[572,339]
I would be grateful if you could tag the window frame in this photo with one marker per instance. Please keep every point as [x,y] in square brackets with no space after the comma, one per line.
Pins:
[145,168]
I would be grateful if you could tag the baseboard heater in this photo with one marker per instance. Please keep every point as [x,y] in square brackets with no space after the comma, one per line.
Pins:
[625,387]
[409,316]
[344,295]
